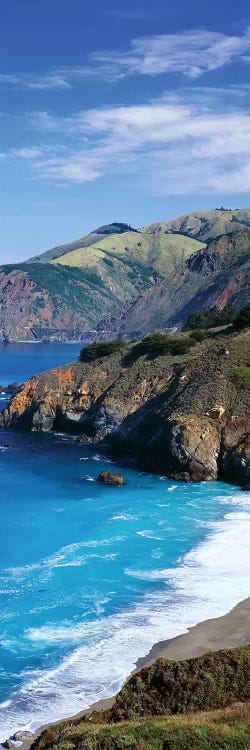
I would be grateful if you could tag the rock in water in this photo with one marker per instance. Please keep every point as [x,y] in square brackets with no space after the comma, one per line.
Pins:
[111,477]
[21,736]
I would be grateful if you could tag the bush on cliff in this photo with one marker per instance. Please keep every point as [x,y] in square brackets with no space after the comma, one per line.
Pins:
[240,376]
[242,320]
[100,349]
[158,344]
[213,680]
[211,318]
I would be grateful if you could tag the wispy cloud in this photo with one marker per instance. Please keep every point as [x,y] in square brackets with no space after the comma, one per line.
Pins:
[189,53]
[172,145]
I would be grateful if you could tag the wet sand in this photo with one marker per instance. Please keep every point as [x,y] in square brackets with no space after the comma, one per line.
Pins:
[229,631]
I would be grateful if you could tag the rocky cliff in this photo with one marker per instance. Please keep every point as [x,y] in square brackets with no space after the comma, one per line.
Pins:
[185,416]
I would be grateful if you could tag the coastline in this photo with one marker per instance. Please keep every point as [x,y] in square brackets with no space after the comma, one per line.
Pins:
[228,631]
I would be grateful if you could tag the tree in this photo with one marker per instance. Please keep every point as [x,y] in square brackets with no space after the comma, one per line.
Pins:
[242,320]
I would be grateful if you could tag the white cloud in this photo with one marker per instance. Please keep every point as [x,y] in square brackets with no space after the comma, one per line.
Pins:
[165,146]
[27,152]
[189,53]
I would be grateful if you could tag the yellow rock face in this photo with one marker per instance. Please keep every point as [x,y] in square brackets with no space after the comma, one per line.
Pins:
[216,412]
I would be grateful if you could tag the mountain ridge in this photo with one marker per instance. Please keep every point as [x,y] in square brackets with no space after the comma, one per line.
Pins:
[108,272]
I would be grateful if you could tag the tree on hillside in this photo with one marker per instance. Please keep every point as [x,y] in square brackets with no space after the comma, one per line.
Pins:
[242,320]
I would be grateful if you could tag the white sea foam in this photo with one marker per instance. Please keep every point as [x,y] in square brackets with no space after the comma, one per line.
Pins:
[206,583]
[68,556]
[149,534]
[123,517]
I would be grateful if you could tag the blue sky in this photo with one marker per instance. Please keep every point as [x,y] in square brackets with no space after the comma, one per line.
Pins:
[131,111]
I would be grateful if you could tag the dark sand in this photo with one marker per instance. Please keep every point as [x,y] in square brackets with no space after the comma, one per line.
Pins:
[228,631]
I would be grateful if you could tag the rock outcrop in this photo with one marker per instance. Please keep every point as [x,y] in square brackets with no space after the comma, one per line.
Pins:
[111,477]
[183,416]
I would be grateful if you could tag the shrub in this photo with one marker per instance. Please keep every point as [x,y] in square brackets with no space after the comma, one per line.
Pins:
[240,376]
[100,349]
[157,344]
[242,320]
[211,318]
[198,335]
[213,680]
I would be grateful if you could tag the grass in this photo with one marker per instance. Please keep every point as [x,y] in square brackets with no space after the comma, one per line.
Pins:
[240,377]
[226,729]
[137,252]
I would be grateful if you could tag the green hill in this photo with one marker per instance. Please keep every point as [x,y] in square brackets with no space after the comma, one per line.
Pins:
[131,262]
[204,225]
[85,241]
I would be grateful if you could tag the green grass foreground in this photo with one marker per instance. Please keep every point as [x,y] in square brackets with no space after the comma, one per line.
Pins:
[227,729]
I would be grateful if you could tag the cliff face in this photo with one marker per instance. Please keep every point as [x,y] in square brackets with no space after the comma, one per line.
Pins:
[182,416]
[48,298]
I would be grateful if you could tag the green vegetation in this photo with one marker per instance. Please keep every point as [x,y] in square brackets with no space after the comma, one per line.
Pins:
[240,376]
[213,680]
[119,226]
[242,320]
[205,225]
[100,349]
[202,319]
[159,344]
[218,730]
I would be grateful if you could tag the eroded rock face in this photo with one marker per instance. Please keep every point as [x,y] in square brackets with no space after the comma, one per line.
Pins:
[185,448]
[236,451]
[111,477]
[193,445]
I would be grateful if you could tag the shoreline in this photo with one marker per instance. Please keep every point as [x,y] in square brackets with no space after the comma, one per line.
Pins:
[228,631]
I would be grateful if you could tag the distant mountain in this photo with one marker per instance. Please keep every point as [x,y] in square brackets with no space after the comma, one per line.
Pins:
[215,275]
[204,225]
[68,290]
[68,296]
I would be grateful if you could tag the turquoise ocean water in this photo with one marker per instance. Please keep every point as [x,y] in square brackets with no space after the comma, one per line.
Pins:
[91,576]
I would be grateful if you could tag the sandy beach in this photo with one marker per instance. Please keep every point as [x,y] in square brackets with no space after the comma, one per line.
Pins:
[229,631]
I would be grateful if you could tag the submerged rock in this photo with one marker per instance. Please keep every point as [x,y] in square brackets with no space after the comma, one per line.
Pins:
[111,477]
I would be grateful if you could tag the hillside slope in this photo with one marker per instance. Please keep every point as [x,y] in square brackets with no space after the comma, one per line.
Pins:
[156,410]
[133,259]
[85,241]
[217,274]
[40,300]
[204,225]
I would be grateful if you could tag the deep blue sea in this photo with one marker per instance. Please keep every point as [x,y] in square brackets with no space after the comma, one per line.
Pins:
[92,576]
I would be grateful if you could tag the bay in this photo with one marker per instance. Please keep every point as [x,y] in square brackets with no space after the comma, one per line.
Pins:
[92,576]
